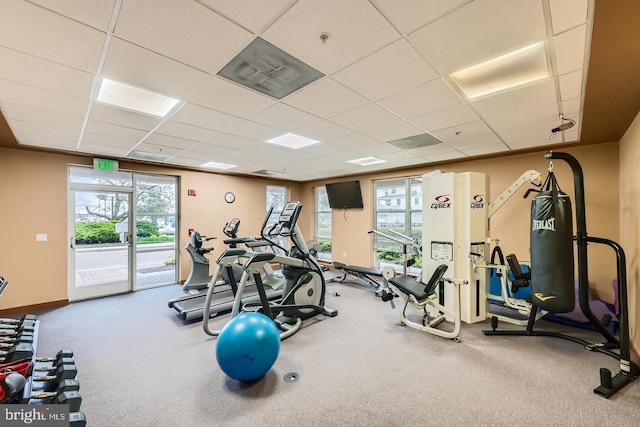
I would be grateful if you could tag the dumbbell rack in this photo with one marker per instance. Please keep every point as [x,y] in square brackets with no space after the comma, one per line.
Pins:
[43,376]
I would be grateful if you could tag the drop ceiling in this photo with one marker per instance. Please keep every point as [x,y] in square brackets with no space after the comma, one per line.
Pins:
[384,67]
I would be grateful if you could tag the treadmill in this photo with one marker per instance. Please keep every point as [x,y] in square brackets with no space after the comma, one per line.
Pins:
[191,307]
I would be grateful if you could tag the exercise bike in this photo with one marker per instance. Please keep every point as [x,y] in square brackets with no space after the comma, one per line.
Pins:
[303,295]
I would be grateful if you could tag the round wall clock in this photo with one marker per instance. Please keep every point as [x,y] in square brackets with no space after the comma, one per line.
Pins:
[229,197]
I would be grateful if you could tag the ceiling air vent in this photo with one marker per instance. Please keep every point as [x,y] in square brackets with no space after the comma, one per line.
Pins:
[263,67]
[267,172]
[416,141]
[143,155]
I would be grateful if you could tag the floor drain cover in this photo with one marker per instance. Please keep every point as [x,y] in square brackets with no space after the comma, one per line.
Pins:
[291,377]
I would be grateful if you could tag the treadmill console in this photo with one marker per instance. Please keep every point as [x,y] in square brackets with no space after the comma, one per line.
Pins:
[231,228]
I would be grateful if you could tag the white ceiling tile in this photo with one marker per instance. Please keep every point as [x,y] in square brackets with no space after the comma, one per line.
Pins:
[571,85]
[422,99]
[157,149]
[448,117]
[185,161]
[95,13]
[103,150]
[375,150]
[203,117]
[409,15]
[128,63]
[477,141]
[170,141]
[393,130]
[183,30]
[23,127]
[108,129]
[530,136]
[231,141]
[462,132]
[31,29]
[571,108]
[323,131]
[353,142]
[479,31]
[543,114]
[44,117]
[571,136]
[570,49]
[365,117]
[325,98]
[356,29]
[222,95]
[250,14]
[30,70]
[524,98]
[401,155]
[388,71]
[116,116]
[284,117]
[107,141]
[566,14]
[485,149]
[432,150]
[30,96]
[181,130]
[441,157]
[253,130]
[196,151]
[47,141]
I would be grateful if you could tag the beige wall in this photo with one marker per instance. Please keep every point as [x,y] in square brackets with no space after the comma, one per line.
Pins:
[630,220]
[511,223]
[34,194]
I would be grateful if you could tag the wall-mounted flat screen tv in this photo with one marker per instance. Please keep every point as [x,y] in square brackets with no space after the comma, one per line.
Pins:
[344,195]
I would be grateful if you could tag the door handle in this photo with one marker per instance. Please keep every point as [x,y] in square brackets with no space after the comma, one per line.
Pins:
[72,242]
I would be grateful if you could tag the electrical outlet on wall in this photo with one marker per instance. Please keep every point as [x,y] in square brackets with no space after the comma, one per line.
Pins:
[344,254]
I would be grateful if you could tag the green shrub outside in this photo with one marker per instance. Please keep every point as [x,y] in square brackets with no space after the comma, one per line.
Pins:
[96,232]
[325,246]
[88,233]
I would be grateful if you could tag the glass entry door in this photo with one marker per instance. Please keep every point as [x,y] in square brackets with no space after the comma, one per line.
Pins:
[100,243]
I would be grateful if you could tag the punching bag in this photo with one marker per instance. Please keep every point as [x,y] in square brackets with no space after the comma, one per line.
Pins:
[552,275]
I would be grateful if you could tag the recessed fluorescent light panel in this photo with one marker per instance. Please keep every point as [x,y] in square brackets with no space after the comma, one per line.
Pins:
[367,161]
[505,72]
[291,140]
[134,98]
[216,165]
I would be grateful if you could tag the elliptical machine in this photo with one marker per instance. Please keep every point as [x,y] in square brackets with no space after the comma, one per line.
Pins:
[303,294]
[199,276]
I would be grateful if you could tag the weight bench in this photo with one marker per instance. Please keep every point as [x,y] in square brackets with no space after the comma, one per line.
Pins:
[361,273]
[425,297]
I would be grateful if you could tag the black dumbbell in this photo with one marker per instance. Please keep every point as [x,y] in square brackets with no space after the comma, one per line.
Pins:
[55,365]
[59,355]
[77,419]
[17,352]
[18,325]
[21,338]
[66,394]
[26,317]
[12,332]
[63,372]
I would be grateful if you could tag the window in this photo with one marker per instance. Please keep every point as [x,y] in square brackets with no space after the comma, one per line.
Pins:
[276,197]
[323,224]
[398,208]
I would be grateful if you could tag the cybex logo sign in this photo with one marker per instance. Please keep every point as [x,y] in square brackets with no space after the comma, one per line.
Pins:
[478,201]
[441,202]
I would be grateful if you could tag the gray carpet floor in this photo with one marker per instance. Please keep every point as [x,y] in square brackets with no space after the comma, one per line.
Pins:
[140,365]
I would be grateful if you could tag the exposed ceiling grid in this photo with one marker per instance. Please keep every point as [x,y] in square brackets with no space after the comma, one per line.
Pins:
[386,67]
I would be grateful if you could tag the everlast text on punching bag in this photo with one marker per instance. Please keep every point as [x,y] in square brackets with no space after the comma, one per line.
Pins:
[552,275]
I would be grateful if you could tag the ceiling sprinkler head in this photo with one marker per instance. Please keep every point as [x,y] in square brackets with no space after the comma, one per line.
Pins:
[324,37]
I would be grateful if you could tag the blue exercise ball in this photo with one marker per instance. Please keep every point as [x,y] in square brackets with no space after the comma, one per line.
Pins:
[248,346]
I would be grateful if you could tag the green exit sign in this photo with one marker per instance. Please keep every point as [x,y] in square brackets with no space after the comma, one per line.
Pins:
[105,165]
